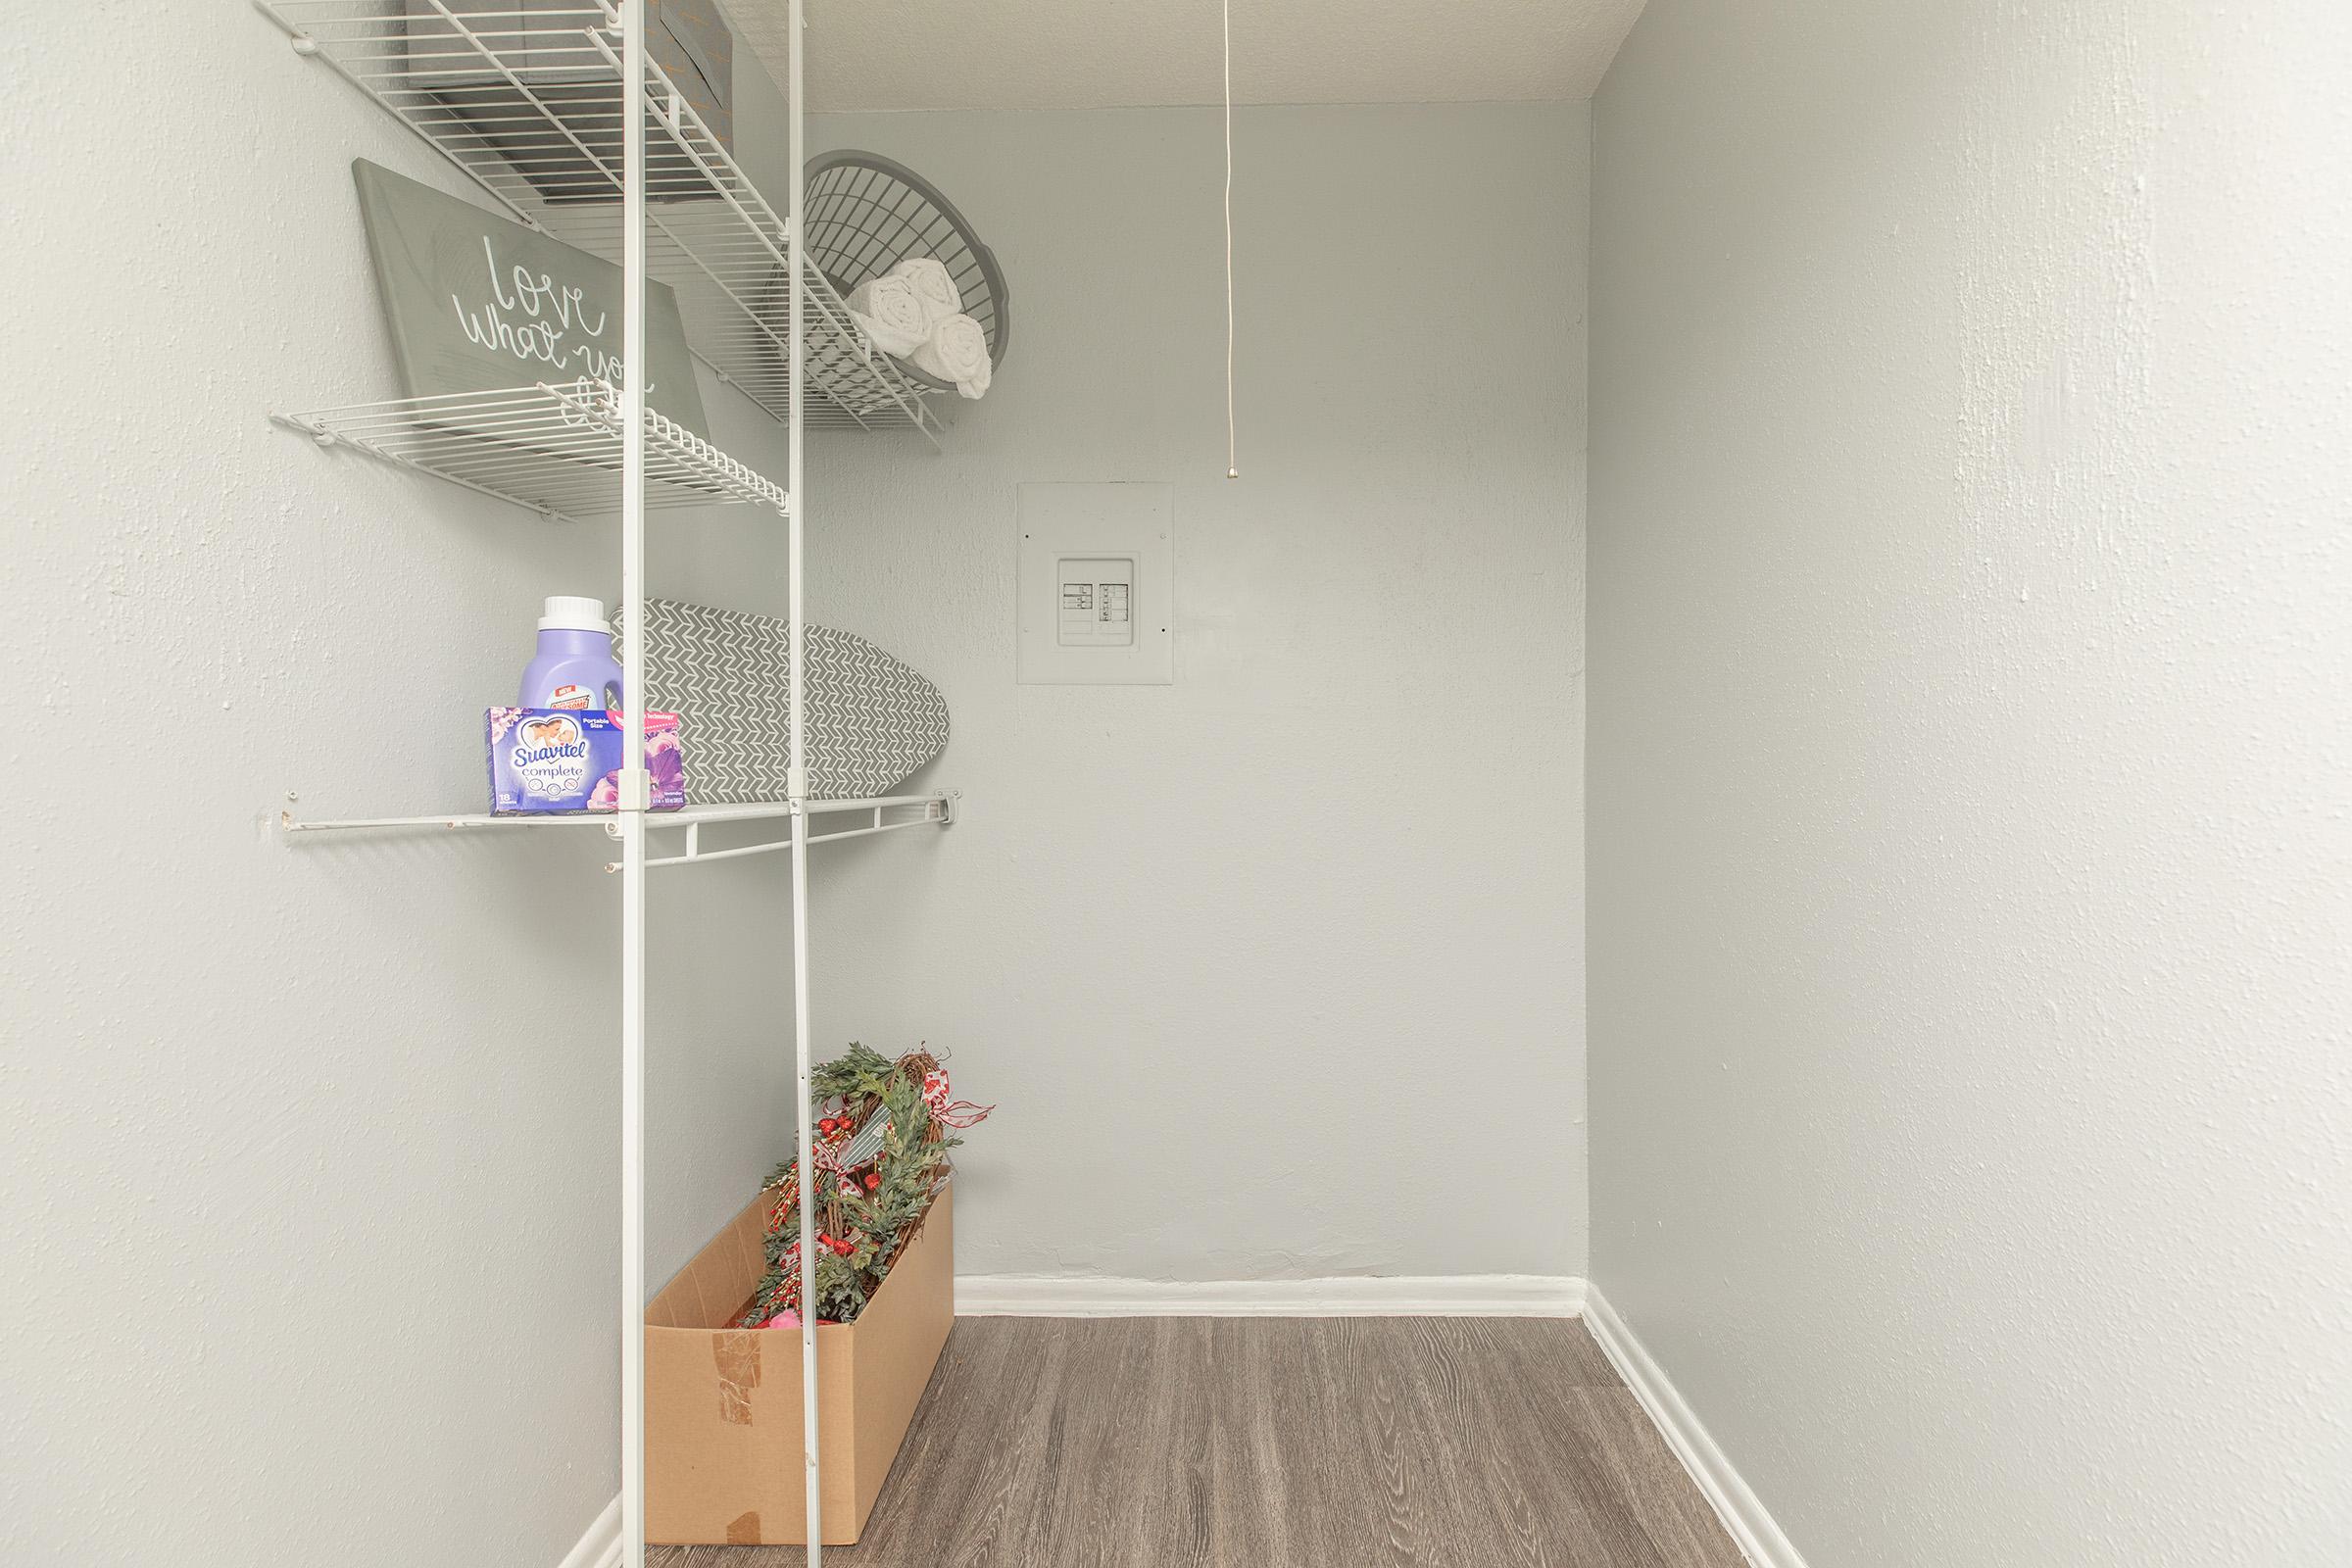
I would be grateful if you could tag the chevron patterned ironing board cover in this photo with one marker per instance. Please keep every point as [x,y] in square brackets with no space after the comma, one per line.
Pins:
[872,720]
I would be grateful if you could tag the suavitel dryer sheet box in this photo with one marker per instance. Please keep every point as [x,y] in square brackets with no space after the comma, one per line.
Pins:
[723,1404]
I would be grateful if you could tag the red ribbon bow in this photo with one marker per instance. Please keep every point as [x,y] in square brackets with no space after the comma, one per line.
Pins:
[958,1113]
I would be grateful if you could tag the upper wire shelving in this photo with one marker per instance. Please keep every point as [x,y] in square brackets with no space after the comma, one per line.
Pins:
[526,100]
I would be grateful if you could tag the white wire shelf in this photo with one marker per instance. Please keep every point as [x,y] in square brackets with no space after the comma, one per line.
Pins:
[885,814]
[553,448]
[527,102]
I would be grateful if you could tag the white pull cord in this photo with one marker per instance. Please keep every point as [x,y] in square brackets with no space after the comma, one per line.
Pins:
[1232,462]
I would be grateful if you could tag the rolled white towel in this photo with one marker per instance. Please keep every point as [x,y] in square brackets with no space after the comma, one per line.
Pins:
[957,351]
[933,288]
[891,315]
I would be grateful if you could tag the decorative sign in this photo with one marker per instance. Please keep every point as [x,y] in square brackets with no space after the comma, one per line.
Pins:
[478,302]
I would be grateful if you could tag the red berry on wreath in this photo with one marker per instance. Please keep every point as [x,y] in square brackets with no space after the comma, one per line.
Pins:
[874,1181]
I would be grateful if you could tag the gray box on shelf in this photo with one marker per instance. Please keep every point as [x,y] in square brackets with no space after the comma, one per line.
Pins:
[477,302]
[489,62]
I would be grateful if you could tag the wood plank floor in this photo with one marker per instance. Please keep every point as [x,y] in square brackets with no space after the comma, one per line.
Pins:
[1274,1442]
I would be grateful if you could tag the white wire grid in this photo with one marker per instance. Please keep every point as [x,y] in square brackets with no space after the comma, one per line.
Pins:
[524,96]
[553,448]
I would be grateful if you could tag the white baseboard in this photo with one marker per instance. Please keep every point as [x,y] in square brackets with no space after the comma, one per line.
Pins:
[600,1548]
[1752,1529]
[1430,1295]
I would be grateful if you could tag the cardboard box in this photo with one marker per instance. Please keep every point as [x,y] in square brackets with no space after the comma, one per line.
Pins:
[722,1406]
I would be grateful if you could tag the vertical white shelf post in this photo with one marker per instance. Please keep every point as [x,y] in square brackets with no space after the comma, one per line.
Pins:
[635,788]
[797,776]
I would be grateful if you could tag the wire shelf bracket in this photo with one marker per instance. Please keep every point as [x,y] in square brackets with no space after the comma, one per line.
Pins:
[929,811]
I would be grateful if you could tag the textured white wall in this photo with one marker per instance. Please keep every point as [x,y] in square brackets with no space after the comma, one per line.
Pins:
[1971,867]
[1276,971]
[312,1195]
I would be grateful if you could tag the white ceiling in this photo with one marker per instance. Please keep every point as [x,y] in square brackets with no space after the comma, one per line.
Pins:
[1091,54]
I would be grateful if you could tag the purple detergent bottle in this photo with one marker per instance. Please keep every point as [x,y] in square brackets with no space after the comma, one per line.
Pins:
[574,667]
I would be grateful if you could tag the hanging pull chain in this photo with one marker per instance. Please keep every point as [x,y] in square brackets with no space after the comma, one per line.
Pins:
[1232,462]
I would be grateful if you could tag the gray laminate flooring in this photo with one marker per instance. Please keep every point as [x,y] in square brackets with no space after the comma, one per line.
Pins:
[1273,1442]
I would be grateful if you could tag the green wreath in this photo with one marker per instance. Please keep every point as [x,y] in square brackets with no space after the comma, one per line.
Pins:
[868,1211]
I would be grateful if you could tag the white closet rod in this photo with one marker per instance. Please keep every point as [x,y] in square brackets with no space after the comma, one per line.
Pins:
[937,812]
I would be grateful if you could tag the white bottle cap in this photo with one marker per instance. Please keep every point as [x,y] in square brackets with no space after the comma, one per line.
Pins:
[568,614]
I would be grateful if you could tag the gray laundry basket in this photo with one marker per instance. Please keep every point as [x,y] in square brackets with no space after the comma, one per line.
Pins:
[866,213]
